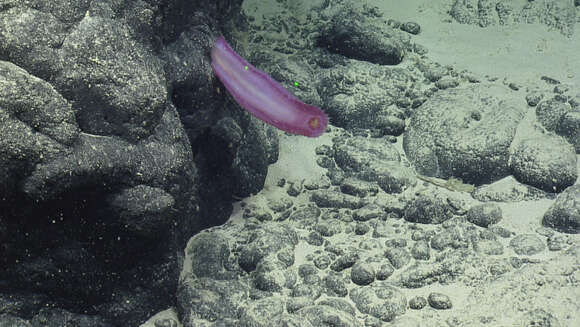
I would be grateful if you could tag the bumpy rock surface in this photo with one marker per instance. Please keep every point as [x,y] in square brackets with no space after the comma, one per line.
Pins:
[465,133]
[378,254]
[560,14]
[103,149]
[564,214]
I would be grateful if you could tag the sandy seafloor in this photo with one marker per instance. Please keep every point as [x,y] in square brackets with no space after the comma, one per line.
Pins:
[515,53]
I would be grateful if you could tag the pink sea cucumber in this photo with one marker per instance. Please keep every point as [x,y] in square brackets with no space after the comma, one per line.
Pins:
[264,97]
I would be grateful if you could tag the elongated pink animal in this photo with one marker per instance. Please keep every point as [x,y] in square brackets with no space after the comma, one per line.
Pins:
[264,97]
